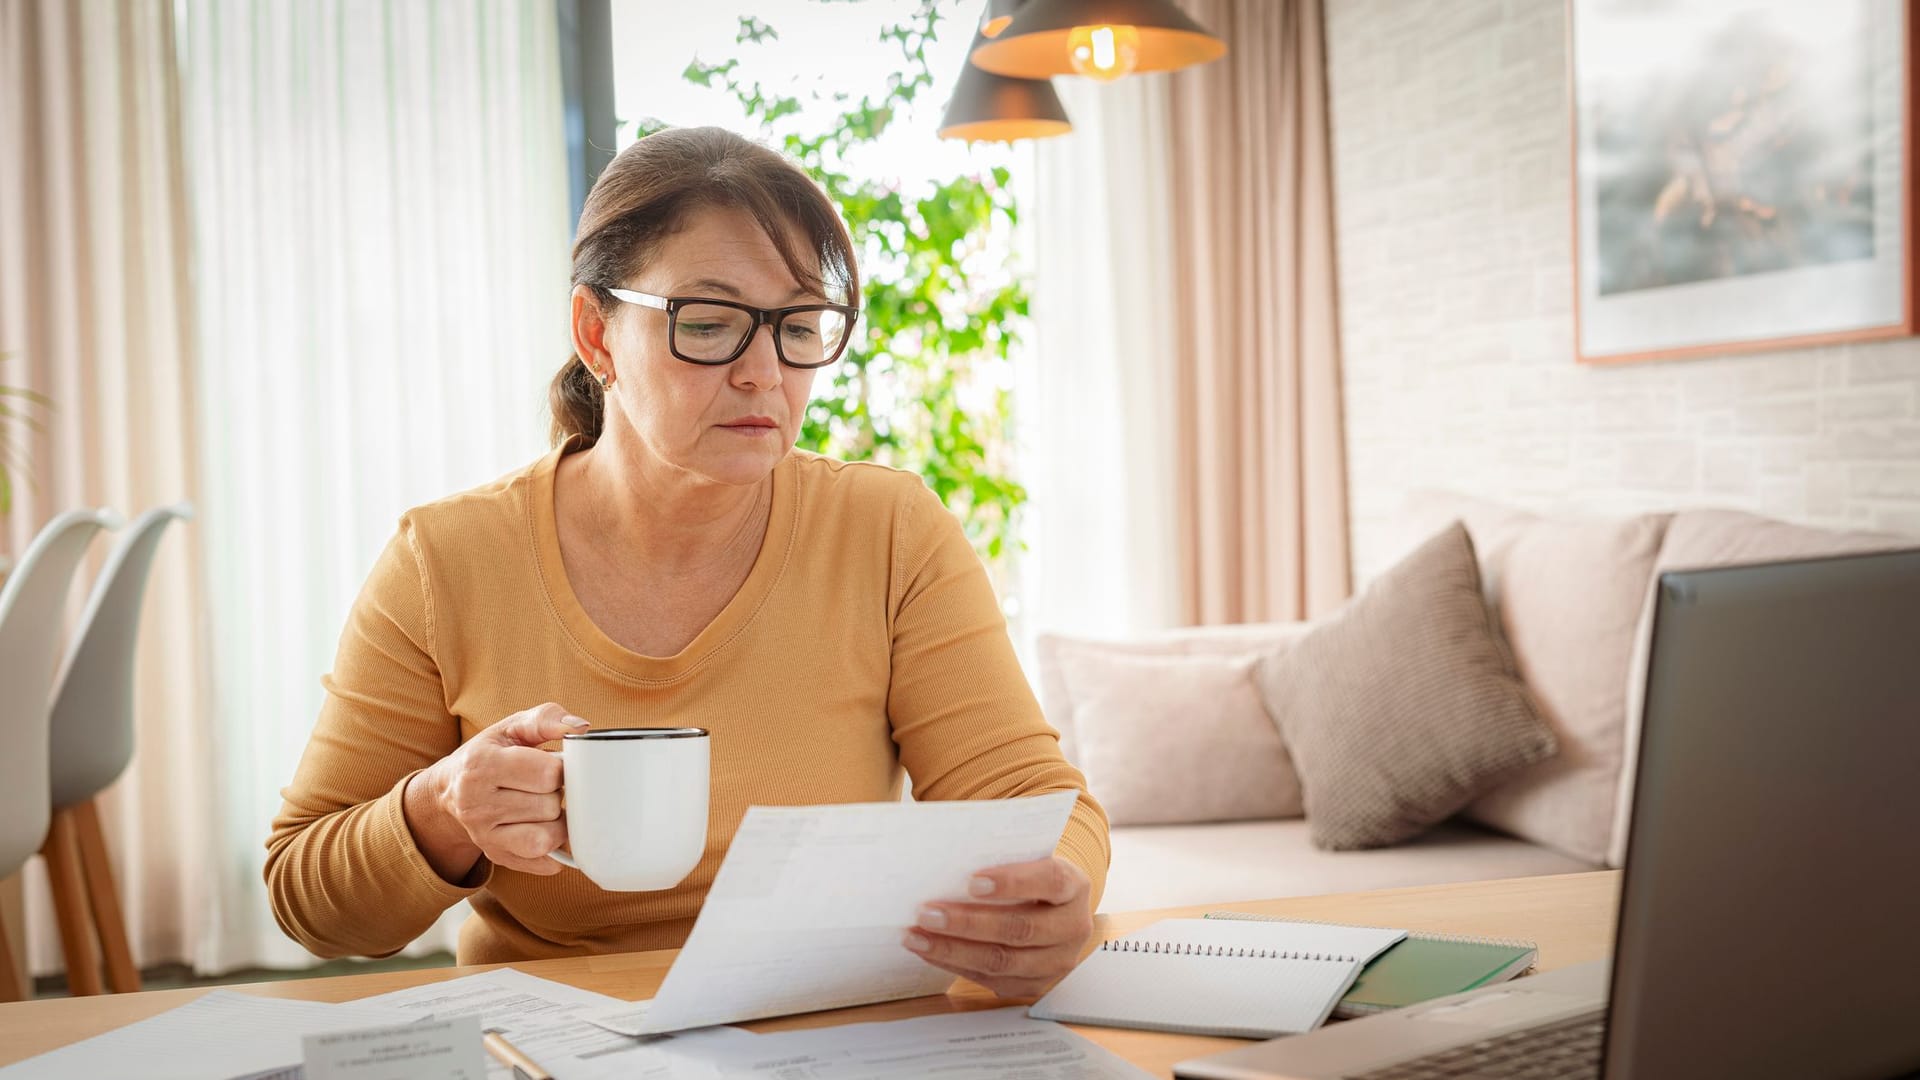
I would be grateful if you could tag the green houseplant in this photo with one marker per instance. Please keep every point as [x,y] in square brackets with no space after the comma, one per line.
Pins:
[16,411]
[922,386]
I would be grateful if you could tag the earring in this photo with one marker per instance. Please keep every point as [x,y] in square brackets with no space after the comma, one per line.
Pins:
[605,378]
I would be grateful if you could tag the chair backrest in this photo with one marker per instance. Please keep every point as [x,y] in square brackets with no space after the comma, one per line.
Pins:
[92,728]
[32,639]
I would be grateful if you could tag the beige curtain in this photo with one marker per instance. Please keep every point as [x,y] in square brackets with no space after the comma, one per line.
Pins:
[1259,461]
[94,313]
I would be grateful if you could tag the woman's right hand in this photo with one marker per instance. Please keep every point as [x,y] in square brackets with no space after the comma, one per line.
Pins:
[497,796]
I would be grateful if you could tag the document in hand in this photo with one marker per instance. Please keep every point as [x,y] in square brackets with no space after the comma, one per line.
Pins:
[808,909]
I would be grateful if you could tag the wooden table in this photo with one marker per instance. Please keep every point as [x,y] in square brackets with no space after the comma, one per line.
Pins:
[1570,915]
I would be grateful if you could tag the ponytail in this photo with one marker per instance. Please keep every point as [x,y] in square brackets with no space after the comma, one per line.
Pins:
[579,405]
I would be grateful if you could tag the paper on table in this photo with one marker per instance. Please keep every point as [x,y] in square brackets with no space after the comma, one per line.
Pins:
[544,1020]
[807,911]
[987,1045]
[448,1049]
[222,1033]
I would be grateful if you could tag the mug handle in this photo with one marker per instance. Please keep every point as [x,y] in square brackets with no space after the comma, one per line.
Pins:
[562,858]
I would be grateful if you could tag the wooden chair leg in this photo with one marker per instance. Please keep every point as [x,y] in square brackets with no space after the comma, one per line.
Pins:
[122,976]
[62,851]
[10,987]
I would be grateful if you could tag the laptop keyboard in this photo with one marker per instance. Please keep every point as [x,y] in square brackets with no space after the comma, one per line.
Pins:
[1570,1048]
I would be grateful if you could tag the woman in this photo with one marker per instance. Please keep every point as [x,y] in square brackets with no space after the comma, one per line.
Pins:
[674,561]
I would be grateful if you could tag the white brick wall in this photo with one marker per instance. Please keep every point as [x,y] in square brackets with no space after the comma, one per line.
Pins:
[1453,217]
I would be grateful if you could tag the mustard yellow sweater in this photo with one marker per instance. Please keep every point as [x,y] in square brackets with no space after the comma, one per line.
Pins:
[865,639]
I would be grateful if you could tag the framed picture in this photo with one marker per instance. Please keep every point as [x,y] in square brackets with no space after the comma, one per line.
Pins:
[1743,174]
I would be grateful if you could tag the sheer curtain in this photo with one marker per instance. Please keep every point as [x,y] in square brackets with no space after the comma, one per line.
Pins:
[1185,442]
[95,315]
[380,237]
[1096,425]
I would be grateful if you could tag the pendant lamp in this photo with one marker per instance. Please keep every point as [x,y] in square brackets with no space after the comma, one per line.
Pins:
[999,14]
[993,108]
[1101,39]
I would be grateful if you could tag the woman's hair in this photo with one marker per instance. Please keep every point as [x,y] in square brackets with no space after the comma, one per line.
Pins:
[650,190]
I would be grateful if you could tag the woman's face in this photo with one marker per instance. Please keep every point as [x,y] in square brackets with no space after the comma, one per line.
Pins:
[728,424]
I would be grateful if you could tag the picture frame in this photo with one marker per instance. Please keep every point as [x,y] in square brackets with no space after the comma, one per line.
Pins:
[1742,174]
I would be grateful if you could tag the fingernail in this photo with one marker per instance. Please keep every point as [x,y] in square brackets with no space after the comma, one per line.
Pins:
[918,942]
[574,721]
[933,918]
[981,886]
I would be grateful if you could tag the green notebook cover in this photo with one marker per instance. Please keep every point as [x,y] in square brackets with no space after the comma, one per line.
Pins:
[1424,967]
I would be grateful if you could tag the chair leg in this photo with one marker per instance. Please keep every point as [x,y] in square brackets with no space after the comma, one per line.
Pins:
[122,976]
[62,852]
[10,987]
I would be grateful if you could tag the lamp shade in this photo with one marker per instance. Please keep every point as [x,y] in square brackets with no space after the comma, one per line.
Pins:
[999,14]
[1150,35]
[993,108]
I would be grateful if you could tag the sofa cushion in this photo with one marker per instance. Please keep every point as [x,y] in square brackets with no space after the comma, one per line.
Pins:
[1700,539]
[1167,739]
[1239,640]
[1157,866]
[1570,593]
[1570,601]
[1403,707]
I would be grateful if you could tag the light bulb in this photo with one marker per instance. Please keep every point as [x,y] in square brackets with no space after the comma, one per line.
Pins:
[1103,53]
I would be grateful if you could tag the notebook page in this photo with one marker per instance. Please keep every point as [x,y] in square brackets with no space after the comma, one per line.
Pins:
[1248,997]
[1251,980]
[1363,943]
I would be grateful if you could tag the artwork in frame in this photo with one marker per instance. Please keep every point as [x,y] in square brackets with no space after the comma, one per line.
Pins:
[1742,174]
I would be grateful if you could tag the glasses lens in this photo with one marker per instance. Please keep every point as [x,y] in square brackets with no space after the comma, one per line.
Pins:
[813,335]
[709,331]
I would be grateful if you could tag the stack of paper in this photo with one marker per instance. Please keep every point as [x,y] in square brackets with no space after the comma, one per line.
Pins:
[988,1045]
[543,1019]
[221,1034]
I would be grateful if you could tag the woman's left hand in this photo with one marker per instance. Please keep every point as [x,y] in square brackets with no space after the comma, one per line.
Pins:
[1023,939]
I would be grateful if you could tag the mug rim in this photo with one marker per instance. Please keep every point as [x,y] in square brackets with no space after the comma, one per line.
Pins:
[615,734]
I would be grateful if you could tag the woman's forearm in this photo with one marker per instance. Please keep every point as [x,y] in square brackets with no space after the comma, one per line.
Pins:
[442,840]
[354,881]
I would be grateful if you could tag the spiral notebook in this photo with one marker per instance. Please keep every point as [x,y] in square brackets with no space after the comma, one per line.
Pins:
[1250,980]
[1424,967]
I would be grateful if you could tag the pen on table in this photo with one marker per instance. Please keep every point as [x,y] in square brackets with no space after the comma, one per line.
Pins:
[508,1054]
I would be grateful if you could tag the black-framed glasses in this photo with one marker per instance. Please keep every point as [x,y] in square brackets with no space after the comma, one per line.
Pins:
[702,330]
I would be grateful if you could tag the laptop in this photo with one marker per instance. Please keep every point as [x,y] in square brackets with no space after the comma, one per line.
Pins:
[1769,921]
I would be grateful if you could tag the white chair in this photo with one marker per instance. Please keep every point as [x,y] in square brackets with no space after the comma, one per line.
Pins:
[32,638]
[92,742]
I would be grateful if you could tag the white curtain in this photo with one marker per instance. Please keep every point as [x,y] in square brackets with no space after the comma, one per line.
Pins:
[1097,425]
[1188,445]
[95,315]
[380,242]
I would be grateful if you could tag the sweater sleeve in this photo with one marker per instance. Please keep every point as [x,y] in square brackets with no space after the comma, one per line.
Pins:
[343,870]
[965,720]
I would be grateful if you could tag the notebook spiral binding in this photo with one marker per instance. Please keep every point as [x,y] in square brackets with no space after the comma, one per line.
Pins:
[1453,939]
[1180,949]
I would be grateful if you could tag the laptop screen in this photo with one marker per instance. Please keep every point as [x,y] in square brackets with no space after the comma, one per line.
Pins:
[1767,917]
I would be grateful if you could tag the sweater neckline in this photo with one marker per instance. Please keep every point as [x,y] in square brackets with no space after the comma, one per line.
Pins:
[768,565]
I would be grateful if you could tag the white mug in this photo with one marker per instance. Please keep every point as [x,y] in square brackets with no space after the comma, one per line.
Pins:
[636,805]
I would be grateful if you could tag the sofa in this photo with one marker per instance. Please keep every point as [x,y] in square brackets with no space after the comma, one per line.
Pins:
[1573,599]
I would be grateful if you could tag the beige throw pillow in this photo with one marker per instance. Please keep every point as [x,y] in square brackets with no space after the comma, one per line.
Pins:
[1173,739]
[1240,641]
[1572,595]
[1405,706]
